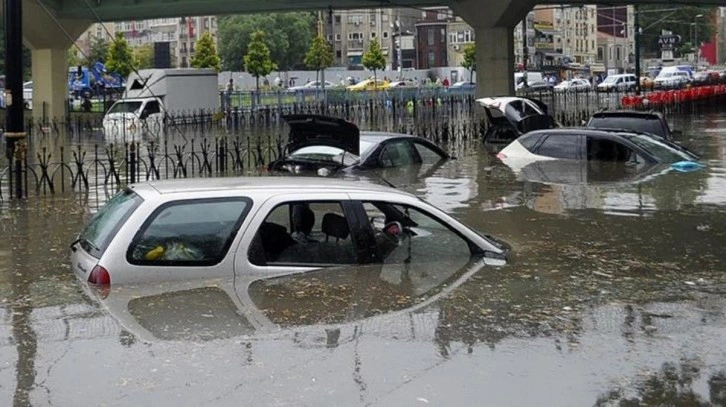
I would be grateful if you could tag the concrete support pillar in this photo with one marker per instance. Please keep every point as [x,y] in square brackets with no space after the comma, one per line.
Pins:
[50,83]
[494,61]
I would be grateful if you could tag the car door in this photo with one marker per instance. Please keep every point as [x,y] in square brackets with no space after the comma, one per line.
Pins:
[299,232]
[151,116]
[180,240]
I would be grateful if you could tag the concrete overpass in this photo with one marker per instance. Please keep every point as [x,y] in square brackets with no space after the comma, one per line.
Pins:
[51,26]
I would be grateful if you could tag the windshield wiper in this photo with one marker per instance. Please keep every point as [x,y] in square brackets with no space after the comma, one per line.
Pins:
[84,242]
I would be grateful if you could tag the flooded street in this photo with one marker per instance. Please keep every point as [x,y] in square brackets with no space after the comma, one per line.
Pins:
[616,296]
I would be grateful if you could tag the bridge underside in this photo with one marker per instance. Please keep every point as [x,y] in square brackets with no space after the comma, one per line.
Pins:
[50,27]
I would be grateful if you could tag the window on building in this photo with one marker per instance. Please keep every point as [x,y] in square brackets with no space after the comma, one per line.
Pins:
[431,35]
[442,36]
[432,59]
[337,19]
[373,34]
[468,36]
[338,54]
[337,37]
[385,34]
[384,18]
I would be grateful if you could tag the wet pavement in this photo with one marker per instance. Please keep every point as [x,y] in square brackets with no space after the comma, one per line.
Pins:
[616,297]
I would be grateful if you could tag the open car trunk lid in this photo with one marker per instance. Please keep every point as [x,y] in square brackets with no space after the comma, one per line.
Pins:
[315,130]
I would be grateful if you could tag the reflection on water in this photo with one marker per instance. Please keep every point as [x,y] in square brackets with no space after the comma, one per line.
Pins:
[597,307]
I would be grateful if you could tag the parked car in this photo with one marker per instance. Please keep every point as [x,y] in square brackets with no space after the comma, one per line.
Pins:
[524,79]
[620,82]
[397,84]
[537,87]
[463,85]
[328,145]
[369,84]
[583,144]
[311,86]
[181,230]
[706,78]
[641,121]
[573,85]
[510,117]
[672,80]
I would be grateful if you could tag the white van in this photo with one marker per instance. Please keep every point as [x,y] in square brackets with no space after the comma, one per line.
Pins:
[621,82]
[531,77]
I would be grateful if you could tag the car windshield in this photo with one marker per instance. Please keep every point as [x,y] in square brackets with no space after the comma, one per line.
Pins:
[663,150]
[610,79]
[365,146]
[102,227]
[125,107]
[326,154]
[639,124]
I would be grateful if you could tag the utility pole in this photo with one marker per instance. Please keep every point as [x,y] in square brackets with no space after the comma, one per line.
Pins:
[14,127]
[525,48]
[637,50]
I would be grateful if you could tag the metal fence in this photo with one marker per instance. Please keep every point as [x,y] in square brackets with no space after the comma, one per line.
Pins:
[77,154]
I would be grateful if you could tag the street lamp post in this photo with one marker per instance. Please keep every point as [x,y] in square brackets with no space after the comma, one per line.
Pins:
[695,40]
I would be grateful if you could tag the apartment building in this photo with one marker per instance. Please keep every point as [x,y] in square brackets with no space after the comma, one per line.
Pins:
[179,33]
[616,37]
[351,31]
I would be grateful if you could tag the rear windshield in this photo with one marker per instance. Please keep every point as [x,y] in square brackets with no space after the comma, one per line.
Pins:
[102,227]
[638,124]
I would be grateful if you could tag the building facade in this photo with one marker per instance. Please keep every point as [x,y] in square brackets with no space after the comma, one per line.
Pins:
[351,31]
[616,38]
[180,33]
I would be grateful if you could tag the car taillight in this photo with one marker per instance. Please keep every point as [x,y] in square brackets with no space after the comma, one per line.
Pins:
[501,156]
[99,276]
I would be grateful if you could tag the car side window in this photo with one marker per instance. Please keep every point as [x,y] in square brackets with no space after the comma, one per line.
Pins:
[397,154]
[405,234]
[304,233]
[560,146]
[428,156]
[189,233]
[600,149]
[529,110]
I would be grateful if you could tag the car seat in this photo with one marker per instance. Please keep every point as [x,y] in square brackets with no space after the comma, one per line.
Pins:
[336,226]
[303,220]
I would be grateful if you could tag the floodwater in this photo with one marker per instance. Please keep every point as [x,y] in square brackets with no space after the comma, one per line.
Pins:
[616,296]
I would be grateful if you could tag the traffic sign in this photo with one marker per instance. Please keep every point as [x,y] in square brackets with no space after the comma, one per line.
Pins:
[669,39]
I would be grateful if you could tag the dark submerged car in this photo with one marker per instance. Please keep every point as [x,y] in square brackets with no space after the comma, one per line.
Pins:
[327,145]
[511,117]
[644,122]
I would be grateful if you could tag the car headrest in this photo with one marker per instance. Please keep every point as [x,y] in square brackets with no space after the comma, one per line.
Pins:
[303,219]
[335,225]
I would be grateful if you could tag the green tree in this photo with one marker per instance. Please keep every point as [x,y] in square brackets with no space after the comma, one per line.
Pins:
[374,60]
[680,20]
[287,36]
[144,56]
[469,62]
[120,59]
[97,52]
[205,53]
[258,61]
[319,56]
[72,57]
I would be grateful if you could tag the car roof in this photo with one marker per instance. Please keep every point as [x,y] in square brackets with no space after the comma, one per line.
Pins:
[260,184]
[586,131]
[380,136]
[628,113]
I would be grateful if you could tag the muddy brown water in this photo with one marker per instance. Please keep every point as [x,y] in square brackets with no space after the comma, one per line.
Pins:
[616,296]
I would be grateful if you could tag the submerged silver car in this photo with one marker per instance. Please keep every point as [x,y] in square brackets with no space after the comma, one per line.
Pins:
[262,226]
